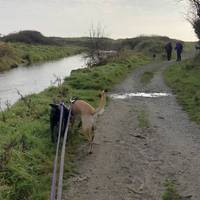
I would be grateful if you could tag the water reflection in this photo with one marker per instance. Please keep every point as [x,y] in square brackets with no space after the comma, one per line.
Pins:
[35,78]
[139,94]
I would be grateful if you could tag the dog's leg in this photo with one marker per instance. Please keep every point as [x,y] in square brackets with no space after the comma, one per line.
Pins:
[91,138]
[87,134]
[91,148]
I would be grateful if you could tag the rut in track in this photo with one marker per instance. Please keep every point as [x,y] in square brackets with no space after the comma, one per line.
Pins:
[132,162]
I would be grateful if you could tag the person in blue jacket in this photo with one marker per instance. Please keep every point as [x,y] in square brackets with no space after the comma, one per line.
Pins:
[179,49]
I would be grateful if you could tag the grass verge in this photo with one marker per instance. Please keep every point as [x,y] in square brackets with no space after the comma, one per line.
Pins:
[184,79]
[26,152]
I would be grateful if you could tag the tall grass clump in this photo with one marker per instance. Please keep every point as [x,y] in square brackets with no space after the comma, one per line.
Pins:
[171,192]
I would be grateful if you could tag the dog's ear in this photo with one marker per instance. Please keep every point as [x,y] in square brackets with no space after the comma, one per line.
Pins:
[102,93]
[73,99]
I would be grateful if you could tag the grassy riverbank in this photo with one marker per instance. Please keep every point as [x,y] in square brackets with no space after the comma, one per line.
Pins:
[13,54]
[41,53]
[26,152]
[184,79]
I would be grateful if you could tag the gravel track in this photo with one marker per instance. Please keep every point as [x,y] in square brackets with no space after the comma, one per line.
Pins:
[132,163]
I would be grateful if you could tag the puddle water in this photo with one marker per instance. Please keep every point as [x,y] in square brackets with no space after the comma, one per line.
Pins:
[139,94]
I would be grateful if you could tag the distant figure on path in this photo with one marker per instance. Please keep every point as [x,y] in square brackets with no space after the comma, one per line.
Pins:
[179,49]
[168,49]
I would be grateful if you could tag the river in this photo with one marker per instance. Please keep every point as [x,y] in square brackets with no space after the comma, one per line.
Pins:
[35,78]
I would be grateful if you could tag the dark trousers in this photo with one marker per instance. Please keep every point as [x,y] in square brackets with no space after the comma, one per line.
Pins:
[178,55]
[169,55]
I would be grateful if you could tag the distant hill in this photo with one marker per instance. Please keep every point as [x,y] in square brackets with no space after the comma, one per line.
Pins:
[29,37]
[145,44]
[106,43]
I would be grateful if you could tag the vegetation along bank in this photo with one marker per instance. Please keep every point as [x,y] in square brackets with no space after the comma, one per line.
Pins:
[184,79]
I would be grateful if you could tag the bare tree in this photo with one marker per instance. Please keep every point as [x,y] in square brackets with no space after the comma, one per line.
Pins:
[26,100]
[196,19]
[194,16]
[97,42]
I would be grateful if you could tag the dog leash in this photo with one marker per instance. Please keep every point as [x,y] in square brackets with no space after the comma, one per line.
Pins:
[62,158]
[53,182]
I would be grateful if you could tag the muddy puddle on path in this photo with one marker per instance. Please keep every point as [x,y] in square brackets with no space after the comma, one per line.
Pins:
[140,94]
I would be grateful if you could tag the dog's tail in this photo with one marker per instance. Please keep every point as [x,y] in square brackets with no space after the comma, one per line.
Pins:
[102,104]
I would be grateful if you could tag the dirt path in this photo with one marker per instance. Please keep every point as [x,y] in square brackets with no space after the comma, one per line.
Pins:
[131,161]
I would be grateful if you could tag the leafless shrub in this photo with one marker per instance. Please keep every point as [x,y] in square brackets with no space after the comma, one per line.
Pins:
[97,44]
[8,104]
[57,81]
[26,101]
[62,90]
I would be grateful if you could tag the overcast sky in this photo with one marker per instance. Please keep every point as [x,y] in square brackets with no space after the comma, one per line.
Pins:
[121,18]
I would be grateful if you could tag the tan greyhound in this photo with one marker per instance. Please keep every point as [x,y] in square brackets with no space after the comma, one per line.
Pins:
[88,116]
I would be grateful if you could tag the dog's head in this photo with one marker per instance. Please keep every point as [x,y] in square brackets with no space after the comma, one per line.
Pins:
[74,99]
[102,93]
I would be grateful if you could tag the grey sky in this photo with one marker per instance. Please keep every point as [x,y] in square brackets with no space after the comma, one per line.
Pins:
[121,18]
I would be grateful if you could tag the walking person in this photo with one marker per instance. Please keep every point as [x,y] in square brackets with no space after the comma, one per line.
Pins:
[168,49]
[179,49]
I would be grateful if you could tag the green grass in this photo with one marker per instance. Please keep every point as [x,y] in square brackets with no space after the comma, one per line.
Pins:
[40,53]
[184,79]
[147,77]
[18,53]
[170,191]
[26,151]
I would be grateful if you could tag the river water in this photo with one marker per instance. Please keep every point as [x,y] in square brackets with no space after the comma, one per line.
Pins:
[36,77]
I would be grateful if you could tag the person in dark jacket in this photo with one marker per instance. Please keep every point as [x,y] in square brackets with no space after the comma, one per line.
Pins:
[179,49]
[168,49]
